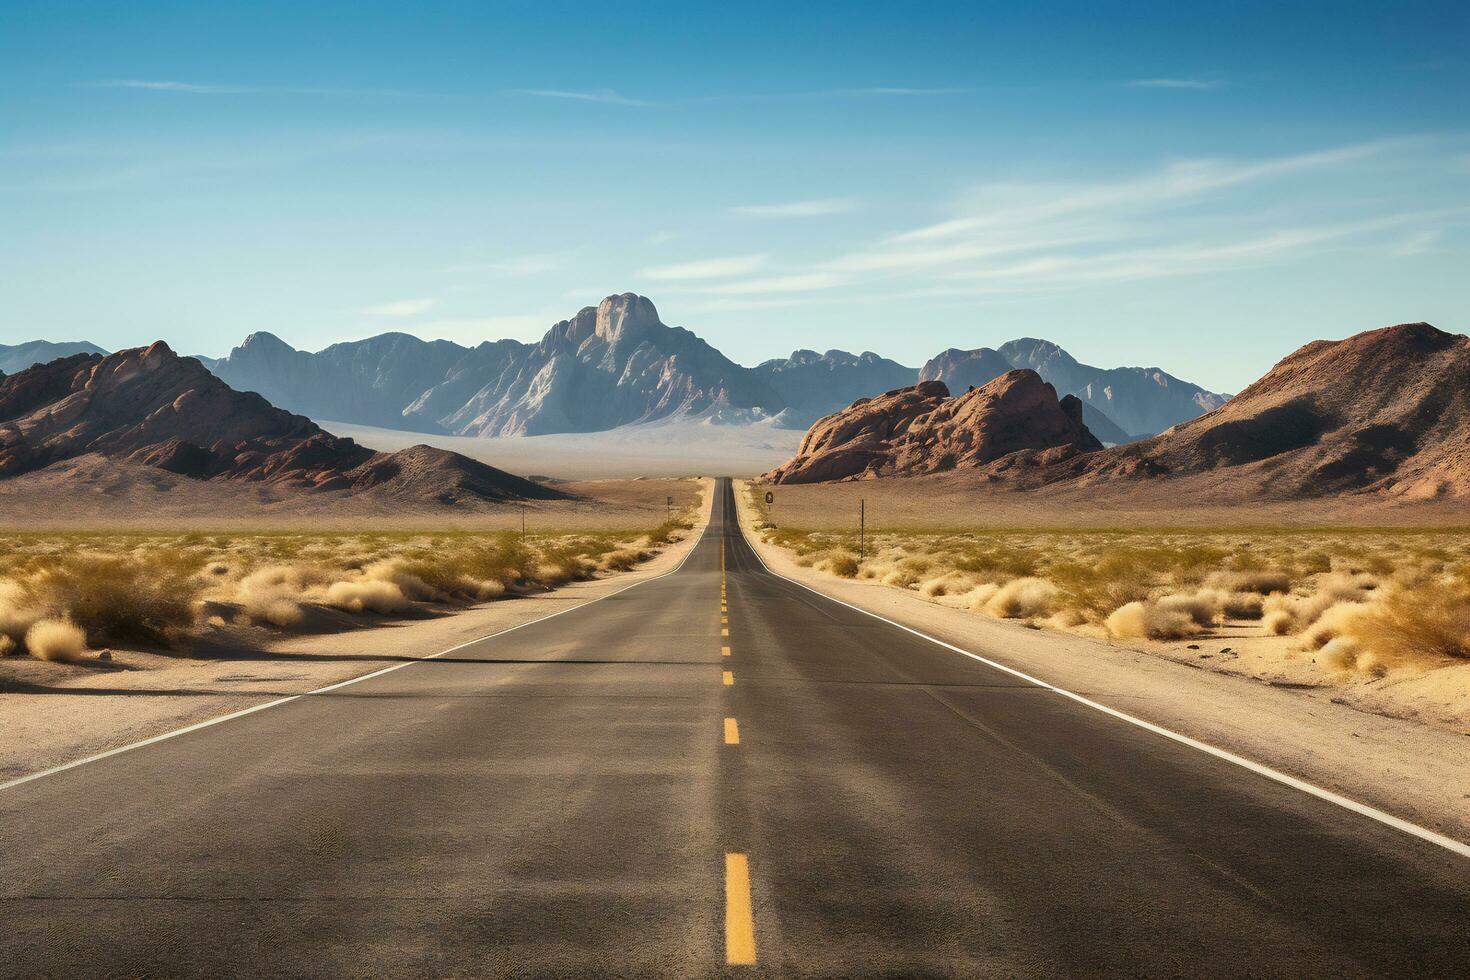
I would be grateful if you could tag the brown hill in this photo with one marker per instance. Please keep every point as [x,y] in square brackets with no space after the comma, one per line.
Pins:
[1385,412]
[150,406]
[922,430]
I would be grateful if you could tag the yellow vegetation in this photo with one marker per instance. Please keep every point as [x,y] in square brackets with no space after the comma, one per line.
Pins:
[1358,601]
[154,588]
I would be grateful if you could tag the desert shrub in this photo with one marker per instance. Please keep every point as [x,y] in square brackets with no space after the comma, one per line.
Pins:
[1012,561]
[1066,619]
[1314,563]
[367,595]
[935,587]
[845,564]
[1341,653]
[1260,581]
[981,595]
[17,614]
[116,600]
[504,558]
[1023,598]
[1404,626]
[408,579]
[1278,622]
[56,639]
[1236,605]
[1139,620]
[268,597]
[1113,581]
[1283,613]
[561,564]
[624,560]
[1334,621]
[1201,608]
[665,532]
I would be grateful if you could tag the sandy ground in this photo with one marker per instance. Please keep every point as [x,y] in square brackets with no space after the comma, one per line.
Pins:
[93,494]
[1408,768]
[67,712]
[676,447]
[961,500]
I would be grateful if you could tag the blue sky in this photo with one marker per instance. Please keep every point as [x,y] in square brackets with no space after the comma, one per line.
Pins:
[1199,186]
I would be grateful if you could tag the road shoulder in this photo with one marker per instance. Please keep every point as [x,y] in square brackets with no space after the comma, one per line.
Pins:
[100,712]
[1404,768]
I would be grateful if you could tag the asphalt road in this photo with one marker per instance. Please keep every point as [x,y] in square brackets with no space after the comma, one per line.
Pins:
[569,798]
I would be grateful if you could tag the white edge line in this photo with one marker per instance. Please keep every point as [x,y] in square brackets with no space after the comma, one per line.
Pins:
[1423,833]
[209,722]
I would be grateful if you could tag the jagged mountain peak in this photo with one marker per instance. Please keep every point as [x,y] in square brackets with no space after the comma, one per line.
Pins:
[617,363]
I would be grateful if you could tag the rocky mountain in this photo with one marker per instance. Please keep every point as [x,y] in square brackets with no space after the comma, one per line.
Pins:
[1386,411]
[618,364]
[921,429]
[18,357]
[961,370]
[149,406]
[1140,401]
[610,365]
[812,385]
[370,382]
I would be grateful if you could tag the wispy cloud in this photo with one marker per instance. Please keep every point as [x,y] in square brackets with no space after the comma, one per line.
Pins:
[1198,84]
[799,283]
[893,90]
[1416,243]
[721,268]
[1186,218]
[162,85]
[402,307]
[605,96]
[1017,204]
[217,88]
[799,209]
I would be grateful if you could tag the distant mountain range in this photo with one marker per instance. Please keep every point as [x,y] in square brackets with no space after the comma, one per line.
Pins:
[1385,412]
[618,364]
[18,357]
[149,407]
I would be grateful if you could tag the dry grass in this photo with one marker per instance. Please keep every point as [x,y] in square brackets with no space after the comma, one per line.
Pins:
[56,639]
[157,589]
[1354,601]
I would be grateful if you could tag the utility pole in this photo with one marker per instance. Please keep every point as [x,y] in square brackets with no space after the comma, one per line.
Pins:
[862,529]
[523,522]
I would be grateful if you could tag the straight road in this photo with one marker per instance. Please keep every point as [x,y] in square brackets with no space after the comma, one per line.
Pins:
[716,771]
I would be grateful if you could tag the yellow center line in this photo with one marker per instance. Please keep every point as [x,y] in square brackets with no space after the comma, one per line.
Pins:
[739,924]
[732,732]
[725,631]
[724,651]
[724,620]
[729,679]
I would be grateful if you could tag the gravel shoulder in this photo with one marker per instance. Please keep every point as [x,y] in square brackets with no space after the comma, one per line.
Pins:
[1415,771]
